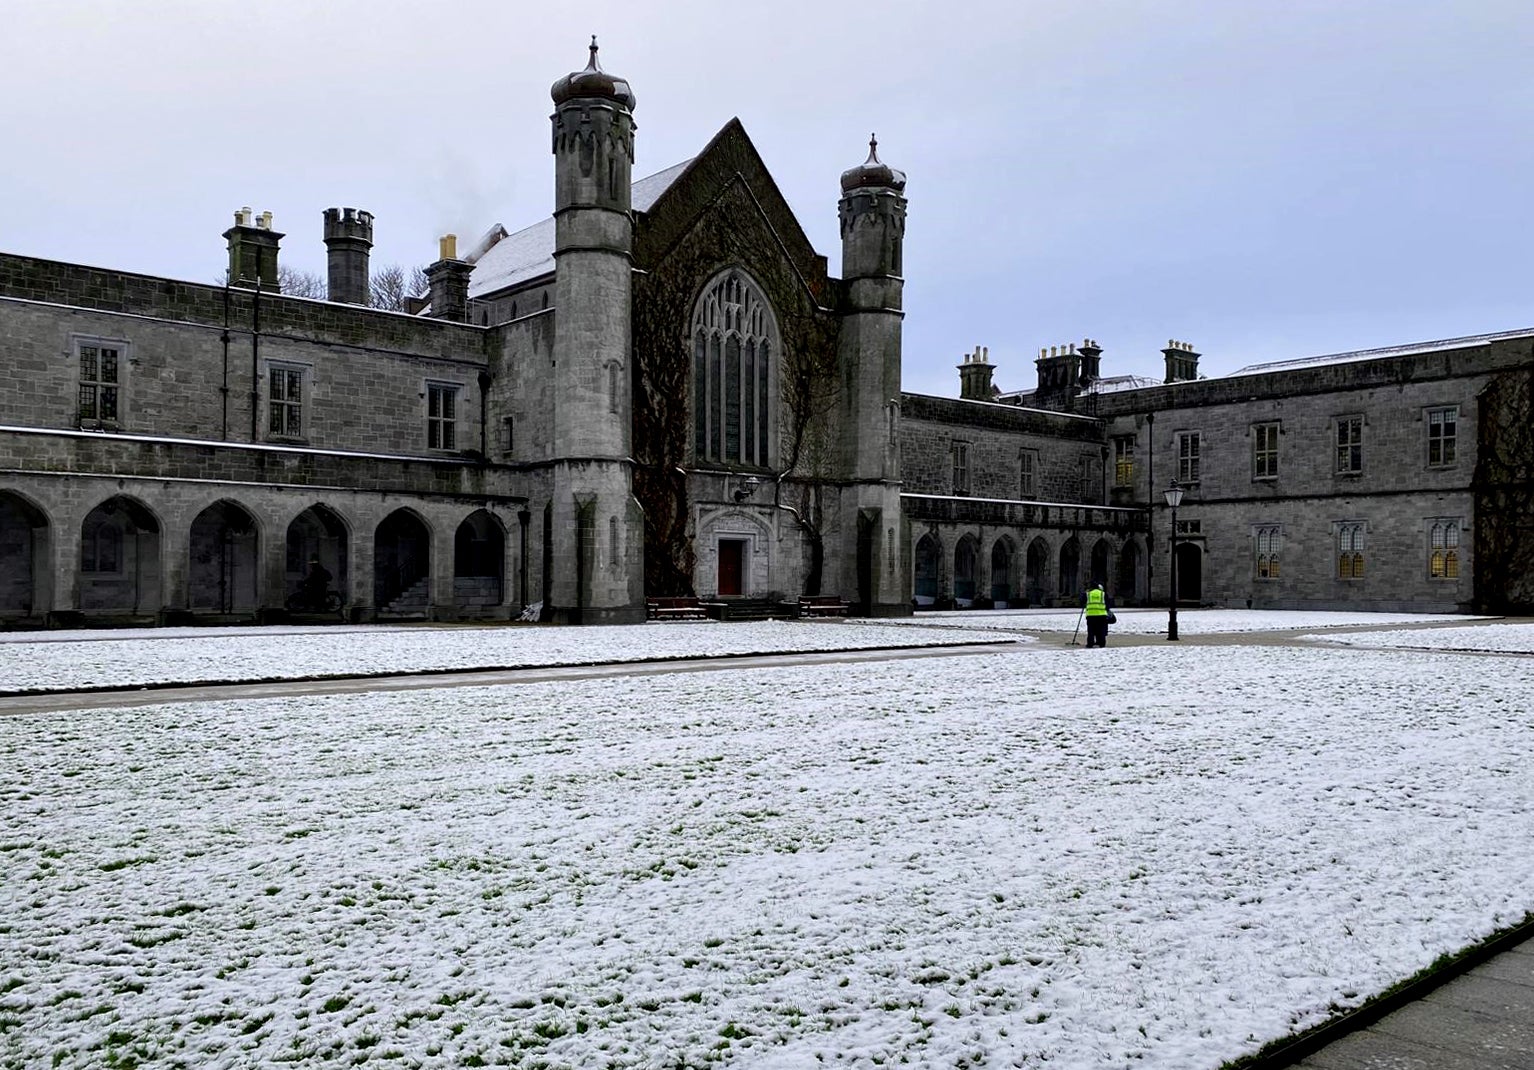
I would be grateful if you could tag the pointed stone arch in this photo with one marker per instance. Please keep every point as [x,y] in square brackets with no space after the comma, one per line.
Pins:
[479,561]
[966,568]
[1097,571]
[1070,568]
[736,350]
[120,568]
[1130,587]
[1036,571]
[734,554]
[223,545]
[1003,570]
[402,565]
[318,532]
[926,576]
[26,562]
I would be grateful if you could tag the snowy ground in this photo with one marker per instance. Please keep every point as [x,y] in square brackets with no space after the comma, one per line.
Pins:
[1499,638]
[1154,621]
[985,860]
[94,659]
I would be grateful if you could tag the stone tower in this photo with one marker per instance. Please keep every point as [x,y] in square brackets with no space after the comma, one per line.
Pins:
[348,237]
[594,527]
[871,554]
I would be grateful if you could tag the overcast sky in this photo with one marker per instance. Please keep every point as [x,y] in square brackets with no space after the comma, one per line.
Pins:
[1266,179]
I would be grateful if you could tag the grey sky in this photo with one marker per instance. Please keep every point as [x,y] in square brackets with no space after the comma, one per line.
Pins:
[1265,179]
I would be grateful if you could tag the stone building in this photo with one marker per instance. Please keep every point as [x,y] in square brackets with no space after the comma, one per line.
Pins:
[661,390]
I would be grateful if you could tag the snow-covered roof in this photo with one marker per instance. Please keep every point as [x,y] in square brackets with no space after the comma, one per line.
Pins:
[1385,351]
[1113,383]
[529,252]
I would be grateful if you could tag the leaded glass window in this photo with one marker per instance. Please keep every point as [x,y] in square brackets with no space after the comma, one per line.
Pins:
[733,341]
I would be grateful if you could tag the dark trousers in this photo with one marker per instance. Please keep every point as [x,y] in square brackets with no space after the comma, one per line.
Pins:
[1097,631]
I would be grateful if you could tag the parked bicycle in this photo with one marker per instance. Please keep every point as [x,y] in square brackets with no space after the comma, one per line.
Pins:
[314,602]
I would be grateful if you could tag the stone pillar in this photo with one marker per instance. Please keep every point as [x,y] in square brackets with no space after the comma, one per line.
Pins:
[873,214]
[596,552]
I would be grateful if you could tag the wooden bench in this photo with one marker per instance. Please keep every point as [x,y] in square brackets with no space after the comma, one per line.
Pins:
[683,608]
[822,605]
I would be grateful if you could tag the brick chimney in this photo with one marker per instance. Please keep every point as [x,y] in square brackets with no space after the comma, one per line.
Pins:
[975,376]
[449,278]
[253,251]
[1181,362]
[348,237]
[1091,362]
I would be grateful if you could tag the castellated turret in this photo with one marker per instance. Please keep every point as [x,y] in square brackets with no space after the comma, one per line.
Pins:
[594,526]
[873,212]
[348,238]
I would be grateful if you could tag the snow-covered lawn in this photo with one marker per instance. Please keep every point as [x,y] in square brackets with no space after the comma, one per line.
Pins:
[997,860]
[1154,621]
[1499,638]
[94,659]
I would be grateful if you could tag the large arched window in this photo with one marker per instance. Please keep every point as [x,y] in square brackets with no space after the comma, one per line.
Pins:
[734,345]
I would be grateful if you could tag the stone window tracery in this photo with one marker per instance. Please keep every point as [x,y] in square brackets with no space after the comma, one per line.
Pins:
[734,346]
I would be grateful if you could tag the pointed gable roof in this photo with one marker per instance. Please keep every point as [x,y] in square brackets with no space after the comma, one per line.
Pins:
[529,253]
[670,201]
[730,157]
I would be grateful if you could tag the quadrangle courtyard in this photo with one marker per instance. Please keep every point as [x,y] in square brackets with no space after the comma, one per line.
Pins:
[1155,855]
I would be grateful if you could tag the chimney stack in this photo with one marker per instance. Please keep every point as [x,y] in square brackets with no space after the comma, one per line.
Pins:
[1091,362]
[449,278]
[348,237]
[253,251]
[975,376]
[1181,362]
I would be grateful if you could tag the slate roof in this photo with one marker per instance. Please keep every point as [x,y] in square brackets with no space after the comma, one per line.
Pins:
[529,252]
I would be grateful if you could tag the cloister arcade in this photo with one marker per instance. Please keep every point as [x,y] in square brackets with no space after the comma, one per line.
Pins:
[118,556]
[963,567]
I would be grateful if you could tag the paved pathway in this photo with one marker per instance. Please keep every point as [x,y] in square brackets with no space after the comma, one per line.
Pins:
[1483,1020]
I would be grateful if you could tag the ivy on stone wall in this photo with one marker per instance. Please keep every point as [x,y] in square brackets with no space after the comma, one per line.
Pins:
[1504,495]
[728,229]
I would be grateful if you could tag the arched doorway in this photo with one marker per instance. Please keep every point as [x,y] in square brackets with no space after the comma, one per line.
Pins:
[964,556]
[402,565]
[1001,571]
[927,556]
[1070,569]
[224,552]
[1190,572]
[317,532]
[479,561]
[1127,589]
[1100,562]
[25,564]
[120,558]
[1037,568]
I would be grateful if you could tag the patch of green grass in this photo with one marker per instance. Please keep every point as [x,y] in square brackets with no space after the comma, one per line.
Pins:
[123,863]
[334,1004]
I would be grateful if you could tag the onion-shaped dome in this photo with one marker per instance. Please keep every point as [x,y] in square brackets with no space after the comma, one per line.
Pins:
[593,82]
[873,173]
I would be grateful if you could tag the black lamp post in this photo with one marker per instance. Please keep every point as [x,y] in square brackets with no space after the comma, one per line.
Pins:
[1173,500]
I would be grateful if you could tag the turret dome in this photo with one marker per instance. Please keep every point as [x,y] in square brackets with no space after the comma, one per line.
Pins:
[593,82]
[873,173]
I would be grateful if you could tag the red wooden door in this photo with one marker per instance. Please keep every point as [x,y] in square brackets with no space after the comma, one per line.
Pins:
[732,556]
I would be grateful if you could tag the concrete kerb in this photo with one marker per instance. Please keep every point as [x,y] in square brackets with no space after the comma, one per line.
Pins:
[1284,1053]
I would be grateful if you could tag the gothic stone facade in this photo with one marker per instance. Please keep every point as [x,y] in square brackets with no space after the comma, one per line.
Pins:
[661,390]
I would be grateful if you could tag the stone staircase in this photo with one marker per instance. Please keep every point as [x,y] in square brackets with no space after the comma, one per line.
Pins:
[750,609]
[412,602]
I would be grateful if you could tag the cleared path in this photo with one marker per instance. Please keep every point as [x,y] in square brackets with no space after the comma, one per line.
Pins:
[1483,1020]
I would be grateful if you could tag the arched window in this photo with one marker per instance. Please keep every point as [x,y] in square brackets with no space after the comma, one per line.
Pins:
[734,344]
[1443,560]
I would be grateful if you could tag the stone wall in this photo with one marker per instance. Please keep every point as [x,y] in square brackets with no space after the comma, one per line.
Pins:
[996,436]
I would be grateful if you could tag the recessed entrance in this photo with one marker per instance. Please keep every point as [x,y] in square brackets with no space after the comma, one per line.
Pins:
[732,567]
